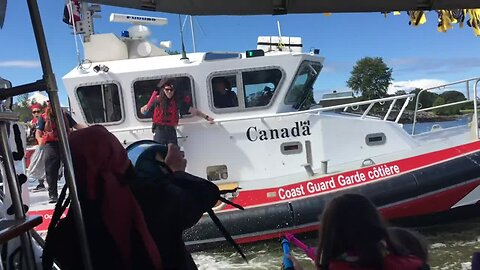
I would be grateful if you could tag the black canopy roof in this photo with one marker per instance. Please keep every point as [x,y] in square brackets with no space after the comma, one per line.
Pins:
[257,7]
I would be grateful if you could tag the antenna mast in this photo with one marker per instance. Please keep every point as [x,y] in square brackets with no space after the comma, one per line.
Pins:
[193,33]
[280,43]
[184,54]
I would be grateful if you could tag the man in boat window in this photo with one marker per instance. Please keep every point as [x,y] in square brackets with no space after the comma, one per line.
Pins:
[47,131]
[166,112]
[223,96]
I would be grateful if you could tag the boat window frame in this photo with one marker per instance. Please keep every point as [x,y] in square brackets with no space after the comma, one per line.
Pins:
[160,77]
[120,93]
[304,62]
[241,89]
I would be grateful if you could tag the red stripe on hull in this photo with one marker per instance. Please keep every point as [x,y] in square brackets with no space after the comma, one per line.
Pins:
[430,204]
[298,190]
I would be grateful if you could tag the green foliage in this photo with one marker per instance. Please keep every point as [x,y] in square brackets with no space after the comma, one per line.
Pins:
[448,97]
[426,99]
[370,77]
[22,107]
[430,99]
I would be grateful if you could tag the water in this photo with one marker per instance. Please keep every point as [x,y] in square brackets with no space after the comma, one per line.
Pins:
[427,126]
[451,247]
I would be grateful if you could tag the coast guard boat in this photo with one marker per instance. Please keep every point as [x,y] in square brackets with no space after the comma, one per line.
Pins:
[281,157]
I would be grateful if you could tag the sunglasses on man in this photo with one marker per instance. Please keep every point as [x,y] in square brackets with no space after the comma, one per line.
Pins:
[35,111]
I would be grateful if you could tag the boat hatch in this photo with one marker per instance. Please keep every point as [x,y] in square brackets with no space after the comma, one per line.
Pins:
[217,172]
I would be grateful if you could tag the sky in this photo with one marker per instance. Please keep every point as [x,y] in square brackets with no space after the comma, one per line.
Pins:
[419,56]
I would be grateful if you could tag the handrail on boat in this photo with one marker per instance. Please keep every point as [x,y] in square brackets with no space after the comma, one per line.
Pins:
[129,129]
[372,102]
[466,81]
[330,108]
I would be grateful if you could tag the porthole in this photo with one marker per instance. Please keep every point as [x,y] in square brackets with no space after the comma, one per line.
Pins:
[290,148]
[375,139]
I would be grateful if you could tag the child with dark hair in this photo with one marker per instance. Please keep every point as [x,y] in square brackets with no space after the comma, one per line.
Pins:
[354,236]
[165,114]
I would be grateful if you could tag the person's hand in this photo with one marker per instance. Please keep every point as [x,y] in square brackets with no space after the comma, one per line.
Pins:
[175,158]
[143,109]
[210,119]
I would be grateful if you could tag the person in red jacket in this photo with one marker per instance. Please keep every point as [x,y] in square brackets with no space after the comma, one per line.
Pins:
[47,131]
[36,168]
[165,114]
[353,236]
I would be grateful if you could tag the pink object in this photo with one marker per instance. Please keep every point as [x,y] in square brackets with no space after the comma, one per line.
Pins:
[310,251]
[152,99]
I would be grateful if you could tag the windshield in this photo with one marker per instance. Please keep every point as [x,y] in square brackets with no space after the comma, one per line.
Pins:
[302,88]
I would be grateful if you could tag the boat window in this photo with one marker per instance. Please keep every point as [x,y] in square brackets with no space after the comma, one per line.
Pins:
[289,148]
[143,89]
[301,91]
[100,103]
[211,56]
[225,91]
[260,85]
[375,139]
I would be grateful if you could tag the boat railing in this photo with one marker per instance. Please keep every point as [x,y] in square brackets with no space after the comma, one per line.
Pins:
[393,99]
[466,83]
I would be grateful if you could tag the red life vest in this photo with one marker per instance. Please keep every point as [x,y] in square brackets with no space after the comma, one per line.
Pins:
[392,262]
[169,118]
[50,131]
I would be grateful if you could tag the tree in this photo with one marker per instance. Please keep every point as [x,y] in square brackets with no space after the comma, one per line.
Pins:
[426,99]
[22,107]
[370,77]
[448,97]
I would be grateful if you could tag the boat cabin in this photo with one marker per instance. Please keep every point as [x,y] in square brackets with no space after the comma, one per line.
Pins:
[115,81]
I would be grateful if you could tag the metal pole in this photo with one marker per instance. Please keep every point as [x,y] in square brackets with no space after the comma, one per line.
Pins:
[49,78]
[22,89]
[475,108]
[193,34]
[15,191]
